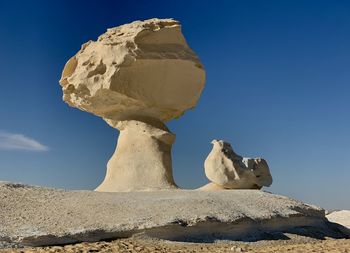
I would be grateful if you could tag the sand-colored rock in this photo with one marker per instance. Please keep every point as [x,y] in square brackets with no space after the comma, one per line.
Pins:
[140,142]
[139,72]
[341,217]
[144,68]
[212,187]
[228,170]
[43,216]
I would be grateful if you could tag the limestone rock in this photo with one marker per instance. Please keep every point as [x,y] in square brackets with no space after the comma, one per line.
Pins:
[227,169]
[42,216]
[149,149]
[144,68]
[136,76]
[341,217]
[211,187]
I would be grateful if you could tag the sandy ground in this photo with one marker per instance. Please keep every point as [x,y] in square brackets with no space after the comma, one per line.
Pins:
[152,246]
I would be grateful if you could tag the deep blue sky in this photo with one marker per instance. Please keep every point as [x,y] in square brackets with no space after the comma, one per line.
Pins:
[277,87]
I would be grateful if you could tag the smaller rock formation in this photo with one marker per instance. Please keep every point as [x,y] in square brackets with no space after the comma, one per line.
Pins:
[227,170]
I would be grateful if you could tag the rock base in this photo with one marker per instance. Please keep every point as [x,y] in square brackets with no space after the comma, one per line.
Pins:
[37,216]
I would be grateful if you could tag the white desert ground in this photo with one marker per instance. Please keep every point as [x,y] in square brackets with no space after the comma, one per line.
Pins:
[164,221]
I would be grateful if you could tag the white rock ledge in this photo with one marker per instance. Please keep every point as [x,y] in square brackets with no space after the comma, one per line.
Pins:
[37,216]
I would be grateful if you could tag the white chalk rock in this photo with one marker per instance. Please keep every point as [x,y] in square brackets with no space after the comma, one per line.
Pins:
[341,217]
[136,77]
[212,187]
[228,170]
[144,68]
[35,216]
[142,160]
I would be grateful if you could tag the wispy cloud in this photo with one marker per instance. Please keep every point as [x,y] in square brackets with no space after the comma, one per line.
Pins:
[11,141]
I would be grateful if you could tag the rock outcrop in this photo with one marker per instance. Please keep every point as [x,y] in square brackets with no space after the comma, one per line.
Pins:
[341,217]
[227,170]
[34,216]
[143,71]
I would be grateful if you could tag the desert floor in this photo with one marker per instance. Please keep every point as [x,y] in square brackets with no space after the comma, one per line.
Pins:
[302,245]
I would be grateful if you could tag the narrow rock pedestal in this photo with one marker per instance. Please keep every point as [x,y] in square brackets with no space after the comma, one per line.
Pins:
[142,159]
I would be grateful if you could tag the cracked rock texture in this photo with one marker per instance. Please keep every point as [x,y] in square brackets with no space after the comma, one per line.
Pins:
[42,216]
[144,68]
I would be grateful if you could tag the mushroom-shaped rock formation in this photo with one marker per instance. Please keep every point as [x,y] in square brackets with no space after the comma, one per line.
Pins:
[227,170]
[136,77]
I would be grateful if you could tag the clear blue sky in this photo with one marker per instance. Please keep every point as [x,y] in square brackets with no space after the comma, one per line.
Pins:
[278,86]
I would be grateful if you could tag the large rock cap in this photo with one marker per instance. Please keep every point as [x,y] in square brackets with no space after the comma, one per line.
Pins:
[141,69]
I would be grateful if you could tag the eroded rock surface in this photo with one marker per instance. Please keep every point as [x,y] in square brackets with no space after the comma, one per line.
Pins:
[226,169]
[139,74]
[341,217]
[142,159]
[144,68]
[42,216]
